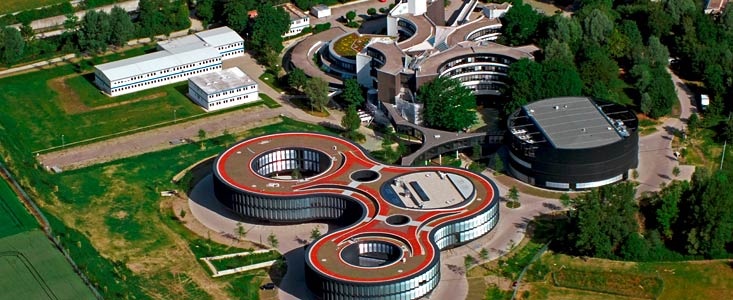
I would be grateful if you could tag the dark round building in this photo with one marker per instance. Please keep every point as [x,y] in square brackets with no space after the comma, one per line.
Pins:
[572,143]
[399,218]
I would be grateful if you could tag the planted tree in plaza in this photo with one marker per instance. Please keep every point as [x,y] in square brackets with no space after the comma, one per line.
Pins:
[352,93]
[351,121]
[315,233]
[272,240]
[483,254]
[316,89]
[513,197]
[351,15]
[241,232]
[447,104]
[468,261]
[297,79]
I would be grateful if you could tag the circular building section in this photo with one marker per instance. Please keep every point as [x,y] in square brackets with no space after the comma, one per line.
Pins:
[390,246]
[572,143]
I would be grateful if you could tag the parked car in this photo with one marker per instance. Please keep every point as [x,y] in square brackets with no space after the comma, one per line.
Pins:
[268,286]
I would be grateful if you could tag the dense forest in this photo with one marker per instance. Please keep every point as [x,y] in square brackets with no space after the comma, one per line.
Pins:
[619,50]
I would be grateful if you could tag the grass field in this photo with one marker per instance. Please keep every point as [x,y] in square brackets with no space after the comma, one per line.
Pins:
[45,105]
[120,214]
[11,6]
[14,218]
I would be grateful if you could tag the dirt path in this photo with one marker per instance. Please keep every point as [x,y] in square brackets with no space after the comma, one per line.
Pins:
[72,104]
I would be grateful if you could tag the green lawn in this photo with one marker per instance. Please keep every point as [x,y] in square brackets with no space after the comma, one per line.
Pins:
[14,218]
[10,6]
[272,81]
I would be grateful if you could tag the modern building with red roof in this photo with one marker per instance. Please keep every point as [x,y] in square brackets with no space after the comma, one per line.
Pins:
[398,218]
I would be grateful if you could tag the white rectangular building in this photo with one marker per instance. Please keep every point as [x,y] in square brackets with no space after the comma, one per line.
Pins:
[223,39]
[222,89]
[321,11]
[298,20]
[176,61]
[154,69]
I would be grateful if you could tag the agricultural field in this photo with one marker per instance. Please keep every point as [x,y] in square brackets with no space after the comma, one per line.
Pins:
[120,230]
[11,6]
[32,268]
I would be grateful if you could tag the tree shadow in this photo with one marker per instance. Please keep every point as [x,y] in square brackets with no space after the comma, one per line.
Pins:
[664,176]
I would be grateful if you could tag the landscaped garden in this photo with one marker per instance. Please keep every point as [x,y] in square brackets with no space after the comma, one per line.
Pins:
[349,45]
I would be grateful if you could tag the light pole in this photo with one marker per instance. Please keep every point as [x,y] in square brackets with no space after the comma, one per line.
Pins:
[62,141]
[174,115]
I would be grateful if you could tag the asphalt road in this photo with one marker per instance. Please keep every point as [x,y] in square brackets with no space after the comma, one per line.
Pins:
[656,160]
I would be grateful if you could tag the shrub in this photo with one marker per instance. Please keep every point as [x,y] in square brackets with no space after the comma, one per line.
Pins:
[372,11]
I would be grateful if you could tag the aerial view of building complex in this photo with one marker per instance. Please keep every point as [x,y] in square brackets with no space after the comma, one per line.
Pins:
[366,149]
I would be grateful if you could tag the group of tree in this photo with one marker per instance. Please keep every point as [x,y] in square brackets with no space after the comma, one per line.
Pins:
[263,32]
[95,31]
[447,104]
[684,220]
[602,50]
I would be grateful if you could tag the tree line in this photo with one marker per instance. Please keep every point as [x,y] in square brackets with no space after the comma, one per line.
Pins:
[96,31]
[685,220]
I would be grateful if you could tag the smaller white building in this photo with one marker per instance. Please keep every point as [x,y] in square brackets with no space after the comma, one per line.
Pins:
[494,11]
[298,20]
[222,89]
[321,11]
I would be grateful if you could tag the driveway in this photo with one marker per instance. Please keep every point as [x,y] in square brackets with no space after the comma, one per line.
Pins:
[656,159]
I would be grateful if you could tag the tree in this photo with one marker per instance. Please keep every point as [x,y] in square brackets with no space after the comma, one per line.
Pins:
[565,31]
[657,53]
[707,225]
[447,104]
[603,219]
[236,14]
[556,71]
[565,200]
[521,84]
[693,122]
[315,233]
[559,52]
[351,121]
[272,240]
[498,164]
[152,17]
[94,31]
[520,24]
[269,26]
[13,45]
[676,171]
[350,15]
[179,16]
[297,79]
[202,134]
[316,89]
[371,11]
[468,261]
[667,205]
[352,93]
[513,196]
[241,232]
[205,11]
[597,26]
[121,27]
[483,254]
[26,31]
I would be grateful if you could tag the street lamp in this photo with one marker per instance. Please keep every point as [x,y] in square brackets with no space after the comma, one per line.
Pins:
[62,141]
[174,115]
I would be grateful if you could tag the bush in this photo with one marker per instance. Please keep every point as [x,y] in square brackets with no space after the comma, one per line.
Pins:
[372,11]
[321,27]
[352,24]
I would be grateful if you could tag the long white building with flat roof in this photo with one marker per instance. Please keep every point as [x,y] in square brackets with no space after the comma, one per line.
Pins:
[176,61]
[222,89]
